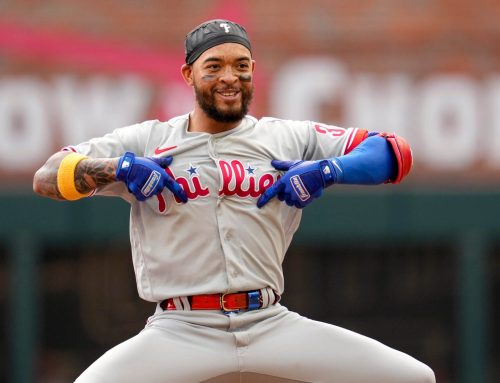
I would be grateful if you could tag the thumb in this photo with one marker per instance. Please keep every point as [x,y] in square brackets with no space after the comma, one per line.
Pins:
[282,165]
[163,161]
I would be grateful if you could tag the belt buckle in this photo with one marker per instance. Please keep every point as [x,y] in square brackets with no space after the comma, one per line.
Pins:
[223,302]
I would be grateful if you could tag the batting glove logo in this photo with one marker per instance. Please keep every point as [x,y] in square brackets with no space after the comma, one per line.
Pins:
[299,188]
[151,183]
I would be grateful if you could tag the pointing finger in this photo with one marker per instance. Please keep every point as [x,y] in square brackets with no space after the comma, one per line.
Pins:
[176,189]
[270,193]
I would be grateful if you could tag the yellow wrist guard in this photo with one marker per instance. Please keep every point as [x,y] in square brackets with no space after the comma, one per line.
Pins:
[66,177]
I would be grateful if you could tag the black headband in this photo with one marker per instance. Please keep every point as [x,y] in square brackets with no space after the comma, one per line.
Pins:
[212,33]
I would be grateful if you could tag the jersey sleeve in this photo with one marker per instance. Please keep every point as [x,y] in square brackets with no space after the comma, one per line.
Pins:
[308,140]
[131,138]
[327,141]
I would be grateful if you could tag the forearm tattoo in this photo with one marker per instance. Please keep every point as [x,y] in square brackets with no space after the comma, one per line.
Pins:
[92,173]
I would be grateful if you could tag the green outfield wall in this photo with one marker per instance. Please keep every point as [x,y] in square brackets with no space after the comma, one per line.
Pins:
[437,230]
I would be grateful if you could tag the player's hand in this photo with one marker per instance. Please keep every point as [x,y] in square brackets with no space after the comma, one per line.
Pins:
[301,184]
[146,177]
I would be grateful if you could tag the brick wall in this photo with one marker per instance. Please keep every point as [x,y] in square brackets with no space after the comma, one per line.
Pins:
[403,34]
[420,39]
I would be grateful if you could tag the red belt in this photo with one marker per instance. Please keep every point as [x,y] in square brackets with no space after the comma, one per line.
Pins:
[247,300]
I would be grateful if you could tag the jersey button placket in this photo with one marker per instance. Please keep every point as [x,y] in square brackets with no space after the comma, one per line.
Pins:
[212,152]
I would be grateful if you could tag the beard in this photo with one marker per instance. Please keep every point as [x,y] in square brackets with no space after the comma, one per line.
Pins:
[207,102]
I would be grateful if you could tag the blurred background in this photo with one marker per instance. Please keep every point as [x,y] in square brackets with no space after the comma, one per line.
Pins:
[416,266]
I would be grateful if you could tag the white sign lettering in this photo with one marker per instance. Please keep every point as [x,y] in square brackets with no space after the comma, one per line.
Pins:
[452,121]
[95,107]
[25,134]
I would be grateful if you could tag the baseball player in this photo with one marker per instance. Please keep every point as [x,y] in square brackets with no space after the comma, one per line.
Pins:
[215,197]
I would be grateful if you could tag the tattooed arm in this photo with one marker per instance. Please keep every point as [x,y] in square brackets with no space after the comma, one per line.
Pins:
[89,174]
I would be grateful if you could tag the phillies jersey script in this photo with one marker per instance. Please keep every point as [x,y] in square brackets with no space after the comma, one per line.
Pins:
[219,241]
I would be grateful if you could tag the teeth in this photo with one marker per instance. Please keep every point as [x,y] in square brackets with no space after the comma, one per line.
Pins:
[228,94]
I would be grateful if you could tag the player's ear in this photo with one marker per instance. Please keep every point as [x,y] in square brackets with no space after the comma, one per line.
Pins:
[253,66]
[187,74]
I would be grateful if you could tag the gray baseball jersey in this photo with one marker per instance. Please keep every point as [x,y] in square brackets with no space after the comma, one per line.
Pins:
[219,241]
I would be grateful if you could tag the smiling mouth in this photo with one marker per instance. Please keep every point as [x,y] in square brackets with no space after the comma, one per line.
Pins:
[228,94]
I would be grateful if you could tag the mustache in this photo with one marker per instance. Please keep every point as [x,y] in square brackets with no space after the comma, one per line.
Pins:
[228,88]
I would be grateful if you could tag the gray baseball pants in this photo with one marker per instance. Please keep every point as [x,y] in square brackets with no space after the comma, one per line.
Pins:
[267,345]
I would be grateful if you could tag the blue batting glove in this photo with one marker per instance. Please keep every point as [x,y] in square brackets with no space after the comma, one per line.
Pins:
[146,177]
[302,183]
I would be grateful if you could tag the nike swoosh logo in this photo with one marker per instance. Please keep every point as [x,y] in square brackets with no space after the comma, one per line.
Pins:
[163,150]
